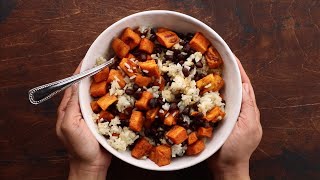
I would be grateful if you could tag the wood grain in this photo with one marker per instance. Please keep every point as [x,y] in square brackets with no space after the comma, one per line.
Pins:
[277,42]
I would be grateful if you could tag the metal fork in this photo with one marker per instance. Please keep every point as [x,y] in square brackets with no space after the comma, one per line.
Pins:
[44,92]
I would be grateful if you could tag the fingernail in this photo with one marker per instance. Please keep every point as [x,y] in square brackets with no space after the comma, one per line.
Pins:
[246,87]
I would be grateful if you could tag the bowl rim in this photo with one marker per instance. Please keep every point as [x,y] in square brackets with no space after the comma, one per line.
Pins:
[228,51]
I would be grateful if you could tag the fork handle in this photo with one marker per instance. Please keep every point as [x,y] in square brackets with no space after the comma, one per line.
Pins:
[44,92]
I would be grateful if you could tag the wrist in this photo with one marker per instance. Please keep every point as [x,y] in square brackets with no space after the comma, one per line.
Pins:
[81,170]
[236,171]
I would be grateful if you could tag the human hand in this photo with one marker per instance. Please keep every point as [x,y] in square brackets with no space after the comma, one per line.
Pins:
[87,159]
[232,160]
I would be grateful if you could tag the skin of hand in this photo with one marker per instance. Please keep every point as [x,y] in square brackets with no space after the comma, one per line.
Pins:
[88,160]
[232,160]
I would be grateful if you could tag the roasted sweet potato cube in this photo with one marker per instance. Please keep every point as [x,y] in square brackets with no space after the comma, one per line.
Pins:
[162,29]
[213,58]
[143,102]
[116,75]
[177,134]
[167,38]
[142,148]
[199,43]
[105,101]
[102,75]
[120,48]
[149,57]
[142,80]
[130,38]
[128,66]
[192,138]
[194,113]
[106,115]
[171,118]
[161,155]
[215,114]
[150,67]
[98,89]
[151,116]
[146,45]
[195,148]
[162,114]
[212,82]
[130,56]
[205,132]
[136,121]
[95,107]
[160,82]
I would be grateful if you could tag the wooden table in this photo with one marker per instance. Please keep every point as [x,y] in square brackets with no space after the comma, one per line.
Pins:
[277,42]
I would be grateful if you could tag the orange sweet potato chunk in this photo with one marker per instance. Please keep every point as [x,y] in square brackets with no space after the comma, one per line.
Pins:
[98,89]
[120,48]
[128,66]
[177,134]
[143,102]
[213,58]
[105,101]
[214,113]
[195,148]
[116,74]
[212,82]
[199,43]
[205,132]
[142,80]
[161,155]
[162,29]
[151,116]
[142,148]
[136,121]
[171,118]
[130,38]
[106,115]
[146,45]
[95,107]
[160,82]
[167,38]
[150,67]
[102,75]
[192,138]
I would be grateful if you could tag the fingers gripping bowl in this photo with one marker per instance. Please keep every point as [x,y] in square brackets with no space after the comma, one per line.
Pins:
[181,23]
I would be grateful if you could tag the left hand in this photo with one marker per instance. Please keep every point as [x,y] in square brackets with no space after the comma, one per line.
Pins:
[87,159]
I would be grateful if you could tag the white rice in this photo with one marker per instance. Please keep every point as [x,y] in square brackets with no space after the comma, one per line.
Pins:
[124,102]
[100,60]
[210,100]
[115,89]
[125,135]
[178,150]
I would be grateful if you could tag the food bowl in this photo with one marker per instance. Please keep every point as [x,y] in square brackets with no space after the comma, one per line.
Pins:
[181,23]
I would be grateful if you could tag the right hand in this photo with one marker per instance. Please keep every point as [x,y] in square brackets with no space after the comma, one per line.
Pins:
[232,160]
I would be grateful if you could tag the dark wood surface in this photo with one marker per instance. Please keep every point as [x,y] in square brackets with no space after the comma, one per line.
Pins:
[277,42]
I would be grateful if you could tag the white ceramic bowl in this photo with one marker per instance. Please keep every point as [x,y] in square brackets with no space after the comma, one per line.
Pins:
[181,23]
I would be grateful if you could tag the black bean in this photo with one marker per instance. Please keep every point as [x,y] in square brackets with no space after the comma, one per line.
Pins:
[189,36]
[157,49]
[223,101]
[199,64]
[186,110]
[169,57]
[181,62]
[173,106]
[153,37]
[153,102]
[180,120]
[186,48]
[124,122]
[185,72]
[152,31]
[137,94]
[191,51]
[128,111]
[143,57]
[181,35]
[178,97]
[216,124]
[135,87]
[181,57]
[129,91]
[183,42]
[160,101]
